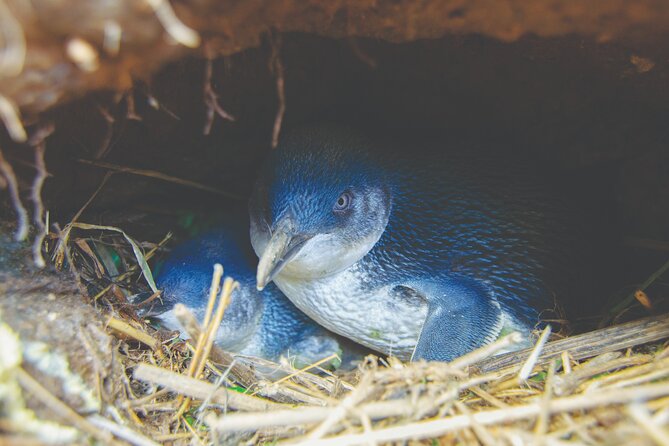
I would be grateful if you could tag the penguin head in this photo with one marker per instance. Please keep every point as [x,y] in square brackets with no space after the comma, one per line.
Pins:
[320,204]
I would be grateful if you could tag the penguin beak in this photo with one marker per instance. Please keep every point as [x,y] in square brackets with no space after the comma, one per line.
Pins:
[282,247]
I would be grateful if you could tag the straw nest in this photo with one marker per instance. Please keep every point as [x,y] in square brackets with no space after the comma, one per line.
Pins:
[608,386]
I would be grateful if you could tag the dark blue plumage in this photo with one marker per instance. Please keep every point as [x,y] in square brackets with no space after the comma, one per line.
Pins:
[397,248]
[263,324]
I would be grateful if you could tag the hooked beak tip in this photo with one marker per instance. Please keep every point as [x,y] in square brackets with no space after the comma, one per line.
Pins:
[272,260]
[281,248]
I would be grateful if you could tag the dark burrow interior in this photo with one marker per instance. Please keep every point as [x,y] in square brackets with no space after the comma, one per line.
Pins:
[595,114]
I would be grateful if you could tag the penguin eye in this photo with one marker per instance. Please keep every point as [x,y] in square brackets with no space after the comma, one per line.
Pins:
[343,202]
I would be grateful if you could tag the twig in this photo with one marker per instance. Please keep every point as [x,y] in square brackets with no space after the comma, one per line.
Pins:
[360,54]
[434,428]
[197,358]
[480,431]
[111,41]
[566,384]
[210,326]
[253,421]
[13,53]
[662,373]
[122,432]
[373,410]
[9,114]
[151,298]
[211,99]
[105,144]
[60,408]
[277,67]
[632,297]
[531,361]
[82,54]
[132,332]
[590,344]
[59,253]
[160,176]
[173,26]
[541,425]
[645,243]
[242,373]
[38,141]
[641,416]
[486,351]
[22,226]
[307,367]
[217,385]
[130,109]
[364,389]
[201,390]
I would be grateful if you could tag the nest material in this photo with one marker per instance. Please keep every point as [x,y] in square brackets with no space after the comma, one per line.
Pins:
[600,387]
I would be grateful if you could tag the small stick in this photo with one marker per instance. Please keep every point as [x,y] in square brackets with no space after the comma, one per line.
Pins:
[364,389]
[13,53]
[565,384]
[13,187]
[132,332]
[308,367]
[159,176]
[254,421]
[111,41]
[105,143]
[630,298]
[277,67]
[486,351]
[589,344]
[642,374]
[211,99]
[151,298]
[195,388]
[566,362]
[146,399]
[58,407]
[207,337]
[122,432]
[531,361]
[490,399]
[59,253]
[173,26]
[9,114]
[641,416]
[637,242]
[193,434]
[373,410]
[541,425]
[243,373]
[435,428]
[38,141]
[229,286]
[480,431]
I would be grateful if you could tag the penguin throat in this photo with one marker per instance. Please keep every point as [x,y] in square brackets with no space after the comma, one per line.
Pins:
[326,254]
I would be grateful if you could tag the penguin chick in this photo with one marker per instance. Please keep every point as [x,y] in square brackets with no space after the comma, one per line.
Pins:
[256,323]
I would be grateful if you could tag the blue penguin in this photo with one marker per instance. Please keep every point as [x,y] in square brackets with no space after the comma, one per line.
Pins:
[419,254]
[262,324]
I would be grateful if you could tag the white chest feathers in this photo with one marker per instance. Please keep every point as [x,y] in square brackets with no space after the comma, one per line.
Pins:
[372,316]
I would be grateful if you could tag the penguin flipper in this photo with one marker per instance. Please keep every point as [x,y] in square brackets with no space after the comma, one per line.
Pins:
[462,316]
